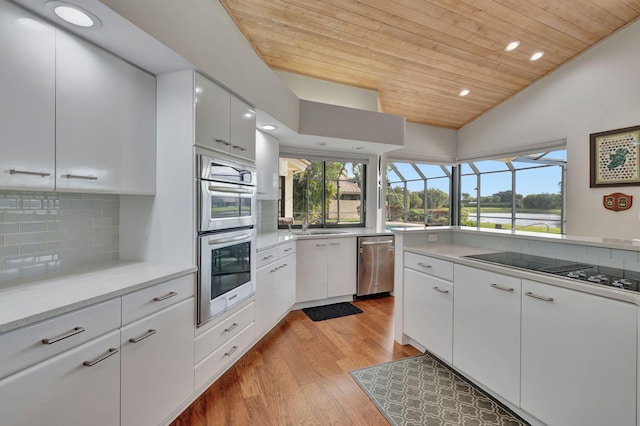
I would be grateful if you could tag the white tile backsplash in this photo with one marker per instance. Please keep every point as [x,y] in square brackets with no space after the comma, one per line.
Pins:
[42,233]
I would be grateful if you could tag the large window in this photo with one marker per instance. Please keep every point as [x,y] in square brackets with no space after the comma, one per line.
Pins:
[324,193]
[523,192]
[407,184]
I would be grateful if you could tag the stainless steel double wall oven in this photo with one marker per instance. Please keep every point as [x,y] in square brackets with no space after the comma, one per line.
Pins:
[226,233]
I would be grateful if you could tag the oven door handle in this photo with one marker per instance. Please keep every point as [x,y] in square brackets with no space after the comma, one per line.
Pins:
[214,241]
[228,189]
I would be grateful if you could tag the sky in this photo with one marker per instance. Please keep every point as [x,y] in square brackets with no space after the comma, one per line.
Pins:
[531,181]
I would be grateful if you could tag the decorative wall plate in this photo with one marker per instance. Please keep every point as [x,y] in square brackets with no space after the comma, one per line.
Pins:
[617,201]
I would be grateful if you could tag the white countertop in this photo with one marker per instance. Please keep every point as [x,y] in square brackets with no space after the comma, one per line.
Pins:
[271,239]
[614,243]
[453,253]
[28,303]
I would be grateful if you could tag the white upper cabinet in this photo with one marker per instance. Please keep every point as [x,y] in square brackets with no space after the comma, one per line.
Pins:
[243,130]
[223,122]
[105,121]
[213,115]
[267,152]
[27,100]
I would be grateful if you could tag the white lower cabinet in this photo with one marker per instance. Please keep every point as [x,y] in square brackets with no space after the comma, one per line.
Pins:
[428,312]
[486,329]
[275,292]
[326,267]
[78,387]
[157,364]
[220,343]
[578,357]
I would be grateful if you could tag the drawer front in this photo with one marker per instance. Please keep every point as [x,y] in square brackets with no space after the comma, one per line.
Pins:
[429,265]
[26,346]
[221,359]
[267,256]
[212,339]
[286,249]
[152,299]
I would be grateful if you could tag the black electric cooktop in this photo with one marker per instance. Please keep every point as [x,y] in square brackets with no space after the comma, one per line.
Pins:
[602,275]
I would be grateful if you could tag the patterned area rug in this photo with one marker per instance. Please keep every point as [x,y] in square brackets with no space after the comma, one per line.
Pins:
[421,390]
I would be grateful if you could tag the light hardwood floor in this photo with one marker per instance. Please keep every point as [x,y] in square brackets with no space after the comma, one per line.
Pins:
[298,373]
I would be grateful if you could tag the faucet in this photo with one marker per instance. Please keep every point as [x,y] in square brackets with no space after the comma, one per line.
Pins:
[305,224]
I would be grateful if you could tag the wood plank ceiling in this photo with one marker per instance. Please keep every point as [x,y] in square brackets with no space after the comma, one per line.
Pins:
[419,54]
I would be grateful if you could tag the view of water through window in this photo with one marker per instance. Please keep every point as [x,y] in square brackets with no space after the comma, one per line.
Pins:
[522,192]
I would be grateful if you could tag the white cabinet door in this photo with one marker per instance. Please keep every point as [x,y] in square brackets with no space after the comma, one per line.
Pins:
[267,153]
[78,387]
[285,286]
[311,270]
[342,258]
[275,293]
[213,117]
[105,121]
[486,329]
[157,364]
[428,312]
[243,130]
[27,100]
[578,357]
[265,297]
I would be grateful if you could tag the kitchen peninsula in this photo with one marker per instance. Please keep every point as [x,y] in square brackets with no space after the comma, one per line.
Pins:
[541,343]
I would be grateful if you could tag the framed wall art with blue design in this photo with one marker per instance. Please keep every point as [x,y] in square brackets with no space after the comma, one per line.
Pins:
[615,157]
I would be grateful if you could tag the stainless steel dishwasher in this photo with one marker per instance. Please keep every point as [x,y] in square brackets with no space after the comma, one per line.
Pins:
[375,264]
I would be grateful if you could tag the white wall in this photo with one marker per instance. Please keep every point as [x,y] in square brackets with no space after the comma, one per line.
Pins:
[313,89]
[202,32]
[599,90]
[427,143]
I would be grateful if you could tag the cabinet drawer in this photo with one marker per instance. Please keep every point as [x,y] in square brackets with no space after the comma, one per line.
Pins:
[218,361]
[152,299]
[78,387]
[286,250]
[429,265]
[26,346]
[267,256]
[218,335]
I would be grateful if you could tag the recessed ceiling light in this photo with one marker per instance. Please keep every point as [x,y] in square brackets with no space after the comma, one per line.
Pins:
[268,127]
[536,56]
[464,92]
[512,46]
[74,15]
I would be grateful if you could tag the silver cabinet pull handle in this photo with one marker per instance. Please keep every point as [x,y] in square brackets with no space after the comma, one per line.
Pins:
[222,141]
[26,172]
[229,189]
[439,290]
[423,265]
[80,177]
[231,327]
[335,244]
[52,340]
[149,333]
[165,297]
[267,257]
[535,296]
[238,147]
[231,351]
[284,265]
[112,351]
[321,245]
[274,269]
[288,249]
[499,287]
